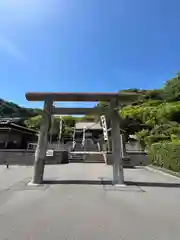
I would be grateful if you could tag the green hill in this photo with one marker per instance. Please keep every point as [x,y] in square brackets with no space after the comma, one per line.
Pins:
[159,111]
[10,109]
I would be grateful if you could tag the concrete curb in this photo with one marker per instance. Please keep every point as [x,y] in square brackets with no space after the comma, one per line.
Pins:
[31,184]
[162,171]
[120,185]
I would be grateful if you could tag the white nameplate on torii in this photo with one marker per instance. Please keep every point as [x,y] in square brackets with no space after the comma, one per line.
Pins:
[50,153]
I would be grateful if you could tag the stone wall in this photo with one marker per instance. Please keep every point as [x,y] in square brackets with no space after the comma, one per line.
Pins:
[26,157]
[131,159]
[94,158]
[138,158]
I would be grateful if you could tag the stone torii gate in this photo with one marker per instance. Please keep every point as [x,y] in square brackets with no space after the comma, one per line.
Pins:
[115,99]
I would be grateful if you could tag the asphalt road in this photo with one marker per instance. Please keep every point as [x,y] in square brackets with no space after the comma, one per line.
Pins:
[78,203]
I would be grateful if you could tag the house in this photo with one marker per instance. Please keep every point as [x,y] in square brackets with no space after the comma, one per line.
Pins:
[15,136]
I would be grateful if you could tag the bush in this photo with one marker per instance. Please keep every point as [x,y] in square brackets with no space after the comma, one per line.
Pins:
[165,155]
[149,140]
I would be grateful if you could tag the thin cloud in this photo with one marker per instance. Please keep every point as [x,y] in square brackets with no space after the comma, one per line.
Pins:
[9,47]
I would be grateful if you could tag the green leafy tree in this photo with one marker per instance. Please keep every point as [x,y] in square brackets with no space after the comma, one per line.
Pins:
[172,89]
[69,121]
[156,94]
[55,122]
[33,122]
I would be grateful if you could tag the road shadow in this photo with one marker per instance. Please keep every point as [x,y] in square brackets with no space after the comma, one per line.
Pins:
[153,184]
[79,182]
[103,181]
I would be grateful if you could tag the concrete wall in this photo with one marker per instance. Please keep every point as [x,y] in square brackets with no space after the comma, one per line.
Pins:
[26,157]
[138,158]
[126,160]
[56,145]
[131,159]
[94,158]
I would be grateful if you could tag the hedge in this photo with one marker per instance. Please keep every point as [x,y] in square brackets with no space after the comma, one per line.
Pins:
[166,155]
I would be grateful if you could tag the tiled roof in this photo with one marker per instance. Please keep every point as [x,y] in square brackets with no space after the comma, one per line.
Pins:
[8,124]
[9,120]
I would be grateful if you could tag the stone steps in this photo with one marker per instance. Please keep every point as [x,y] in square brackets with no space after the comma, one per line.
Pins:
[88,158]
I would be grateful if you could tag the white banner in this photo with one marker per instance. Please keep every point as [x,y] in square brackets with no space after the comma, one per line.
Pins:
[104,126]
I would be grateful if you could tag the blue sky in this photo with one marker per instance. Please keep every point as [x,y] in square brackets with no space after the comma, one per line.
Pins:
[86,45]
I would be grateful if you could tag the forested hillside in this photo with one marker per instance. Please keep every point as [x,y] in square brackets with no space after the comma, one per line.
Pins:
[159,111]
[10,109]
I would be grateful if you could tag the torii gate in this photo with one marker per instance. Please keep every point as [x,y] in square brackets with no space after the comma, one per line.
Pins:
[115,99]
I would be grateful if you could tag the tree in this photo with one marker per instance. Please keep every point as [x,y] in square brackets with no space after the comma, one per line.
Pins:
[69,121]
[88,118]
[54,130]
[172,89]
[156,94]
[34,122]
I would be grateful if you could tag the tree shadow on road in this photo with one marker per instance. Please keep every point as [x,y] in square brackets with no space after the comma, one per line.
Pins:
[79,182]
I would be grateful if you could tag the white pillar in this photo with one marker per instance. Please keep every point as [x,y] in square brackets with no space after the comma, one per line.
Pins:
[41,149]
[118,175]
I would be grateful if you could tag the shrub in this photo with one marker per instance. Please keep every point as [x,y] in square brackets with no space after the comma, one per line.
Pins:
[175,139]
[149,140]
[165,154]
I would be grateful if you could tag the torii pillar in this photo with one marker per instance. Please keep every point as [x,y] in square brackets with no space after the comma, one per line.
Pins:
[41,149]
[118,174]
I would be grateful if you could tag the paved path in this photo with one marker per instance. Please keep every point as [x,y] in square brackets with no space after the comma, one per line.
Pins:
[68,208]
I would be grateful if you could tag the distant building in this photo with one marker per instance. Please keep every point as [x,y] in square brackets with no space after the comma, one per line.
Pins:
[15,136]
[92,130]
